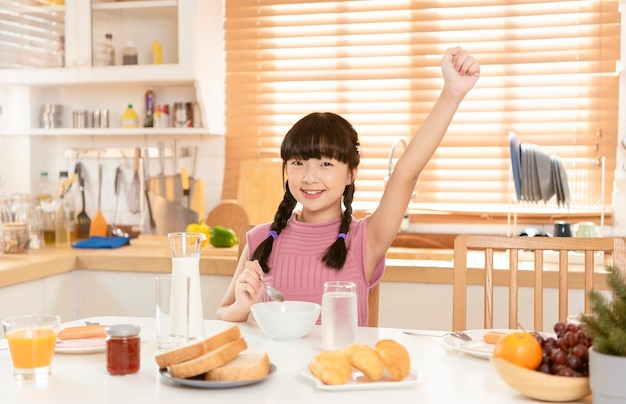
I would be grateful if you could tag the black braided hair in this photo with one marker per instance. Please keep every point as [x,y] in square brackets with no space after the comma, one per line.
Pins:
[285,208]
[317,135]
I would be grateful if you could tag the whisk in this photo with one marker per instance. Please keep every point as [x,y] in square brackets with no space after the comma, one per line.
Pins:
[134,195]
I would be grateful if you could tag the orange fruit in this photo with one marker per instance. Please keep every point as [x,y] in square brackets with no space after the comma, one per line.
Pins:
[520,348]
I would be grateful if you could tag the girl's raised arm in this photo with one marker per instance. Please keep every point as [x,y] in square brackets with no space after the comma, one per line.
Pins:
[460,73]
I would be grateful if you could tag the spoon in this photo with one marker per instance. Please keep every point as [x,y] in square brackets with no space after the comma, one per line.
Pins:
[273,293]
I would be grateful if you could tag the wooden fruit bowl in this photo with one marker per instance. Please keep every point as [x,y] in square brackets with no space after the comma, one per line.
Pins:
[541,386]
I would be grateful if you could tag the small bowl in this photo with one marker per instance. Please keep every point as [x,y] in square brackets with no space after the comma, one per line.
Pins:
[286,320]
[542,386]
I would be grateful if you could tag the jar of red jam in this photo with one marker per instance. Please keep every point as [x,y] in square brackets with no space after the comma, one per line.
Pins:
[123,349]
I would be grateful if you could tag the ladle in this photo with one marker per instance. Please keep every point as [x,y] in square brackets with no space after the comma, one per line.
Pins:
[273,293]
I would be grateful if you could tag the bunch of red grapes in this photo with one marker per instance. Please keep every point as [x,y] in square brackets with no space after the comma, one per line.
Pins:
[567,354]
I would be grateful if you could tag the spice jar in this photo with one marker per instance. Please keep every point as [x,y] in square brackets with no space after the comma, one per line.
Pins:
[123,349]
[16,237]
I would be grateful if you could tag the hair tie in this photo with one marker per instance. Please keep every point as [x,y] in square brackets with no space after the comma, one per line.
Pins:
[273,234]
[341,235]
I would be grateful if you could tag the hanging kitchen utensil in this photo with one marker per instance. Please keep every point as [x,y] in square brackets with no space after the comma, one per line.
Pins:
[116,231]
[83,220]
[134,194]
[99,225]
[157,184]
[185,185]
[146,177]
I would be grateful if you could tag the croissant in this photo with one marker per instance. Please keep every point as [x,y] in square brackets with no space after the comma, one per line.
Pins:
[395,358]
[331,367]
[365,359]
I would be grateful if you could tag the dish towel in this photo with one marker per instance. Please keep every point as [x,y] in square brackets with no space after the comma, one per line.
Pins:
[102,242]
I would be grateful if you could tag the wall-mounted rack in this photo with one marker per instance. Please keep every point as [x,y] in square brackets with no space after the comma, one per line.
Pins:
[124,153]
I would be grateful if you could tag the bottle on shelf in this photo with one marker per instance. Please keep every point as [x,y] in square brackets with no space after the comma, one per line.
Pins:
[45,192]
[58,55]
[130,118]
[157,52]
[149,98]
[61,227]
[130,53]
[67,193]
[109,50]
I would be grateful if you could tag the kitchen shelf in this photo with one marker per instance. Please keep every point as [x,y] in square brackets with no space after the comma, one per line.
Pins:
[120,5]
[112,132]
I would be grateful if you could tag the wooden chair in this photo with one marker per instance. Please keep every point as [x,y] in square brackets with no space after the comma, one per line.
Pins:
[372,300]
[512,277]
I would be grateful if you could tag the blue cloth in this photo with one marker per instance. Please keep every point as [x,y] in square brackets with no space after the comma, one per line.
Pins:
[102,242]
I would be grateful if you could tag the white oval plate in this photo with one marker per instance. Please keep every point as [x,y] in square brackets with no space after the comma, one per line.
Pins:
[209,384]
[80,346]
[477,346]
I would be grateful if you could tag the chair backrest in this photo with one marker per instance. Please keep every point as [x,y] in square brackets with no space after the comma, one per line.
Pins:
[372,300]
[511,277]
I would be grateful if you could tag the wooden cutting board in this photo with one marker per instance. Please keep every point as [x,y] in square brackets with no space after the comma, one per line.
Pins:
[260,188]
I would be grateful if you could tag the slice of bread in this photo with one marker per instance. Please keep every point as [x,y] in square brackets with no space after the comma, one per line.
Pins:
[196,349]
[208,361]
[251,366]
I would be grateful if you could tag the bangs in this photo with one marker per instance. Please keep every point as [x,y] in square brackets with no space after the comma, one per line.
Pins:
[320,135]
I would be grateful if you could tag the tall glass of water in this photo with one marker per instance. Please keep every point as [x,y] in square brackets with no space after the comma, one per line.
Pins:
[339,314]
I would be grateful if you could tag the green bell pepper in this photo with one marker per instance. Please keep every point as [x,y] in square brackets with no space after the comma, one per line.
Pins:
[222,237]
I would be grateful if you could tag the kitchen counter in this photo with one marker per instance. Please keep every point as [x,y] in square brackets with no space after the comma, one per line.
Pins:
[77,283]
[151,254]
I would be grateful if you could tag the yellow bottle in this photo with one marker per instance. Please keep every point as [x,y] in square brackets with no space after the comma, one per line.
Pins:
[157,52]
[130,118]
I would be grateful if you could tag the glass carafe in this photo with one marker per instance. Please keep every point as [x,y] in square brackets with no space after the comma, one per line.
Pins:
[185,248]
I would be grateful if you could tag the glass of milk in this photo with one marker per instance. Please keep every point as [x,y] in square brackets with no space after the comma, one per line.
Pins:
[339,314]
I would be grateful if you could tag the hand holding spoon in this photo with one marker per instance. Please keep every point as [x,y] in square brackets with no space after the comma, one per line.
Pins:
[273,293]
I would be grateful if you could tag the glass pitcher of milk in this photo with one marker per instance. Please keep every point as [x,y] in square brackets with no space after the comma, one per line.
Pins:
[185,248]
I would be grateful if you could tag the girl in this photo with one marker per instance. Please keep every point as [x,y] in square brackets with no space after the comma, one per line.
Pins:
[298,252]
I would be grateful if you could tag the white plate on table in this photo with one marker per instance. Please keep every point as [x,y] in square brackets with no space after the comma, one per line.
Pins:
[360,382]
[199,382]
[73,346]
[80,346]
[477,346]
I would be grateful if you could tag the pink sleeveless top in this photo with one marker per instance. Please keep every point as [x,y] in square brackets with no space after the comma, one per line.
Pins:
[296,267]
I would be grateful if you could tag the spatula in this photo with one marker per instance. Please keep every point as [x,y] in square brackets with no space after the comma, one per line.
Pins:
[99,226]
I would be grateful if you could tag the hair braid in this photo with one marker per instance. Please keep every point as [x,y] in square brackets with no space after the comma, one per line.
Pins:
[337,253]
[285,209]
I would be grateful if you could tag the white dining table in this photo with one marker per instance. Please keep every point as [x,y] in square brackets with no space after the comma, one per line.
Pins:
[444,374]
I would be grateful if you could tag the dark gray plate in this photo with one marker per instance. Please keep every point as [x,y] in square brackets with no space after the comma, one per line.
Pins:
[207,384]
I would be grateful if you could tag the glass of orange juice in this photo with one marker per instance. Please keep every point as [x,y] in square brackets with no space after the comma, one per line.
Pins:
[31,339]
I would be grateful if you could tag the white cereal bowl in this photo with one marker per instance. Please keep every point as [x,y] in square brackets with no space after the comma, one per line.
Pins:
[286,320]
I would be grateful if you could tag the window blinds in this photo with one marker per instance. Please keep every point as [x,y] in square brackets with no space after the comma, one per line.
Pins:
[548,72]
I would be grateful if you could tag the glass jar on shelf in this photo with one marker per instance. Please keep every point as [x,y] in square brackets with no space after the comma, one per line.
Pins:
[27,211]
[16,237]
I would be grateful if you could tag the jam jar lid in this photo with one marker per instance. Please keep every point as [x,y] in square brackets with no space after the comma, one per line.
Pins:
[122,330]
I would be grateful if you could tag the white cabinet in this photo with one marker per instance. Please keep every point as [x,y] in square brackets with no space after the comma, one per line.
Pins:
[189,32]
[32,53]
[193,69]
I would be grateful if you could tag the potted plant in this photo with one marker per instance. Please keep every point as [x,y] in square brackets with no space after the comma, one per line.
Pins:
[607,327]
